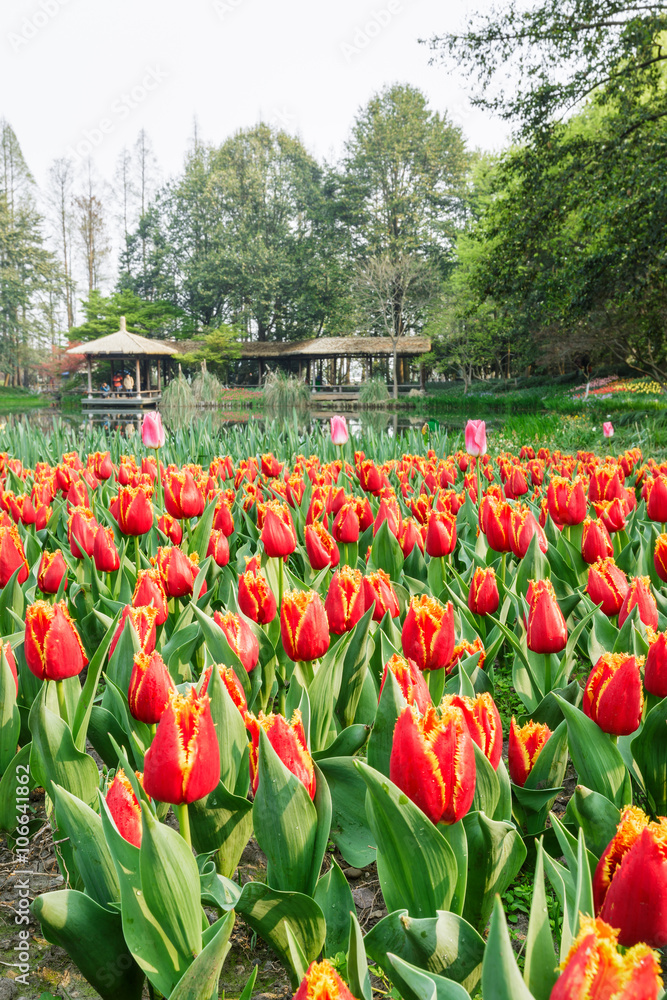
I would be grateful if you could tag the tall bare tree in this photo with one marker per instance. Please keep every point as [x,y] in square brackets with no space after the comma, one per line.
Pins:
[91,230]
[61,178]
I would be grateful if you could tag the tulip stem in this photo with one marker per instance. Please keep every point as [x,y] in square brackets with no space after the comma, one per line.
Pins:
[547,673]
[137,554]
[281,581]
[160,501]
[503,567]
[443,567]
[62,703]
[184,822]
[478,466]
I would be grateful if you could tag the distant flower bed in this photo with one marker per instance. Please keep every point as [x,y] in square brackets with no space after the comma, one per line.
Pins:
[612,385]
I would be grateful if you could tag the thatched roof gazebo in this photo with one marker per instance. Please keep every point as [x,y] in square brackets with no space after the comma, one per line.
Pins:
[121,349]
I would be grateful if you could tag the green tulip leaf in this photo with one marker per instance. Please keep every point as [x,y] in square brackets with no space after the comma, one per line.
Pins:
[598,762]
[501,979]
[415,984]
[200,981]
[55,759]
[10,719]
[403,833]
[346,744]
[230,730]
[487,785]
[391,704]
[333,895]
[649,750]
[357,963]
[93,938]
[595,815]
[350,831]
[354,670]
[85,703]
[386,552]
[499,852]
[10,802]
[221,822]
[93,860]
[541,965]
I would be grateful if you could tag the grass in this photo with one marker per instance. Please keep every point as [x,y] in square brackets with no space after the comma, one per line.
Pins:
[15,398]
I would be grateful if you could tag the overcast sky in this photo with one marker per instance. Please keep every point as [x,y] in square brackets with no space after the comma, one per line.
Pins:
[83,76]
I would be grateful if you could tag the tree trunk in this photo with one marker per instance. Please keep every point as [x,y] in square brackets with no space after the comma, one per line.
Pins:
[395,369]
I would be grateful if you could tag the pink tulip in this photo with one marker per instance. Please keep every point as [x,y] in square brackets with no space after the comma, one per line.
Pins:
[608,429]
[152,431]
[339,434]
[476,437]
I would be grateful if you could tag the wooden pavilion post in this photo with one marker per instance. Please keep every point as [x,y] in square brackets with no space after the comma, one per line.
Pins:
[138,380]
[159,375]
[260,372]
[89,365]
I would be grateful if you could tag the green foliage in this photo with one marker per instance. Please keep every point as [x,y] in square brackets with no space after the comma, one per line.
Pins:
[283,391]
[373,393]
[148,319]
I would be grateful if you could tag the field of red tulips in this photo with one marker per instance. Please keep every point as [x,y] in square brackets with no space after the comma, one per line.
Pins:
[308,651]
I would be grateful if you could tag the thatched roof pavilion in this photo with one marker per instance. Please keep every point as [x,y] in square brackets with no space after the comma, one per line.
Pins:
[125,347]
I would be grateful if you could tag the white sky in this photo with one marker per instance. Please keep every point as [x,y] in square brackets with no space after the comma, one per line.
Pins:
[83,76]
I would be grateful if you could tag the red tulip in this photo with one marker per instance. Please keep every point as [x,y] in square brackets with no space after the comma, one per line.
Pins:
[411,681]
[483,597]
[497,524]
[612,513]
[595,541]
[231,682]
[240,637]
[77,495]
[218,547]
[135,510]
[124,807]
[11,660]
[182,763]
[222,517]
[105,552]
[410,535]
[483,721]
[278,535]
[182,496]
[630,881]
[371,478]
[321,981]
[525,745]
[605,483]
[345,528]
[52,647]
[81,529]
[288,739]
[433,762]
[466,648]
[378,592]
[320,546]
[304,627]
[546,629]
[177,571]
[639,595]
[271,467]
[149,590]
[428,633]
[440,533]
[607,584]
[655,673]
[522,528]
[170,527]
[656,504]
[660,557]
[345,603]
[256,599]
[613,694]
[390,512]
[566,500]
[52,569]
[595,969]
[150,687]
[143,622]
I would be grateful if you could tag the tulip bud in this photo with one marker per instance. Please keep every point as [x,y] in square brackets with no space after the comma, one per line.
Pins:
[52,646]
[182,496]
[475,437]
[371,478]
[105,552]
[612,513]
[320,546]
[639,595]
[182,763]
[388,511]
[135,510]
[411,681]
[483,597]
[378,592]
[594,967]
[222,517]
[656,504]
[525,745]
[218,547]
[150,687]
[345,528]
[483,721]
[613,694]
[433,762]
[345,603]
[630,881]
[410,535]
[595,541]
[152,431]
[440,533]
[607,584]
[240,637]
[546,631]
[278,535]
[496,523]
[11,660]
[231,682]
[177,571]
[81,529]
[515,484]
[149,590]
[466,648]
[522,528]
[288,739]
[605,483]
[101,464]
[566,500]
[52,569]
[655,673]
[304,627]
[124,807]
[256,599]
[660,557]
[339,432]
[170,527]
[143,622]
[428,633]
